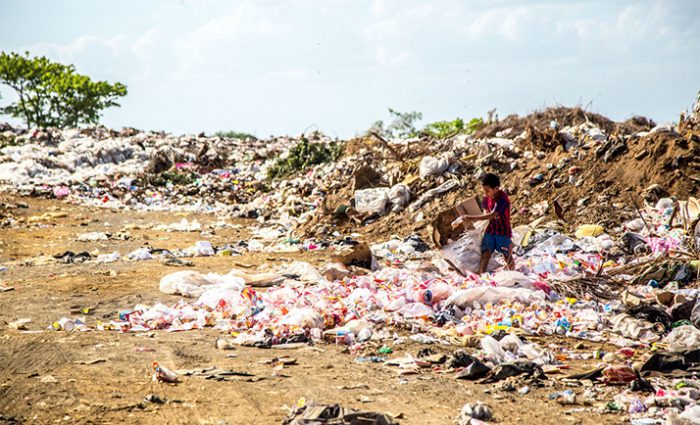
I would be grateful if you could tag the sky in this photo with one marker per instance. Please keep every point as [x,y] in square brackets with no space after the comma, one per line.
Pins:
[284,67]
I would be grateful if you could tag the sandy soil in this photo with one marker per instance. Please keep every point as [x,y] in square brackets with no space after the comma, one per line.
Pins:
[103,377]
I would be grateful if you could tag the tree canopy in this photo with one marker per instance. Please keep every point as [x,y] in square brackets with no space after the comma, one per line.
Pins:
[52,94]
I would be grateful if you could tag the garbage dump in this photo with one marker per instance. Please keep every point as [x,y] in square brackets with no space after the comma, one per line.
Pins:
[367,259]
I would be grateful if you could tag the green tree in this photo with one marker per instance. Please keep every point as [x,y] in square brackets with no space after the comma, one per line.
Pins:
[52,94]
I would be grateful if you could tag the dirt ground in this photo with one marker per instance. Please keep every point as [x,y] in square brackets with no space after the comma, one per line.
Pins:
[103,377]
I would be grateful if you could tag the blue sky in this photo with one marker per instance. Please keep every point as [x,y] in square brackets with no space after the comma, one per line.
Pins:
[279,67]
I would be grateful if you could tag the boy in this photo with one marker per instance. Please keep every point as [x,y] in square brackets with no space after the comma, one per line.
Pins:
[499,232]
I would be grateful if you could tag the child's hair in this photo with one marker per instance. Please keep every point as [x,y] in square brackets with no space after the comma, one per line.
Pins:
[491,180]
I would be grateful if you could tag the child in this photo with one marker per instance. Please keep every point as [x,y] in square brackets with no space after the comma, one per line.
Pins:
[499,232]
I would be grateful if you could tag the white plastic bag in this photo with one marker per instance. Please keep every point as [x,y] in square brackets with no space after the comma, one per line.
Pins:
[399,195]
[140,254]
[187,283]
[431,166]
[489,294]
[682,338]
[108,258]
[305,318]
[200,249]
[372,201]
[513,279]
[465,253]
[492,349]
[305,271]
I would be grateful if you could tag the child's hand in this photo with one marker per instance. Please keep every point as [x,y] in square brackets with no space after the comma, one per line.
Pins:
[457,223]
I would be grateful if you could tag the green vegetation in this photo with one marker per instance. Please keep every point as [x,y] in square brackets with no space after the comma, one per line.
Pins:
[54,95]
[167,177]
[404,125]
[7,141]
[304,155]
[234,135]
[442,129]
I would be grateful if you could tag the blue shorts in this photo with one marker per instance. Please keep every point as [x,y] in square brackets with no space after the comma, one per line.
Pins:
[493,243]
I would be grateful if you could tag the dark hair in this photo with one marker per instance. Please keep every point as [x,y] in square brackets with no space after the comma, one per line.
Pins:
[491,180]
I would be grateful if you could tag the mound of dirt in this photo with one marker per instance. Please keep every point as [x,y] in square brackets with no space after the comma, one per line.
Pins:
[541,120]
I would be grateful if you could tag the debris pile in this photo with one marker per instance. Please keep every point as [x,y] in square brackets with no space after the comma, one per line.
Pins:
[606,243]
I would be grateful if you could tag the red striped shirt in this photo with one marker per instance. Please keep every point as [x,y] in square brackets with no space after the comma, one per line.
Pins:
[500,223]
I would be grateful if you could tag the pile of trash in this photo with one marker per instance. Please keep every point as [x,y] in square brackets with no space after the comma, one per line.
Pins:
[635,292]
[161,172]
[563,161]
[559,162]
[606,243]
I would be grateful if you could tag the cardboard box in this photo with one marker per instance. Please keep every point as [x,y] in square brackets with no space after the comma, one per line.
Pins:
[442,231]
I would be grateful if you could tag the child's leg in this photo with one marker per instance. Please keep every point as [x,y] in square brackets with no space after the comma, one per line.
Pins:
[510,262]
[484,262]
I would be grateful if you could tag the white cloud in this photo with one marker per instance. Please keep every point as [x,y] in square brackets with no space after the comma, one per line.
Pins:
[277,66]
[225,42]
[505,22]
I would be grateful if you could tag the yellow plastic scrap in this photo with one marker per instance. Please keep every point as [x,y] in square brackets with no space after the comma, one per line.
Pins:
[589,230]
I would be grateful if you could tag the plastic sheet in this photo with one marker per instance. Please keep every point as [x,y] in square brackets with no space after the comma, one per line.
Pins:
[371,201]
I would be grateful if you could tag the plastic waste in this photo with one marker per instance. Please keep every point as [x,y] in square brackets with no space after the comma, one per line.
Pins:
[591,230]
[564,398]
[92,237]
[465,253]
[192,284]
[304,318]
[510,343]
[473,297]
[435,294]
[430,194]
[371,201]
[163,374]
[619,374]
[200,249]
[431,166]
[513,279]
[302,271]
[682,338]
[140,254]
[416,310]
[399,196]
[631,327]
[479,411]
[423,339]
[492,349]
[183,226]
[364,335]
[691,414]
[108,258]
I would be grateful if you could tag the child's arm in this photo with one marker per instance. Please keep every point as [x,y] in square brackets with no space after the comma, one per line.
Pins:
[487,216]
[462,218]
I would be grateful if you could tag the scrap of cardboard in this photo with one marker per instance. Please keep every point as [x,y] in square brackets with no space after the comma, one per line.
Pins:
[442,224]
[469,207]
